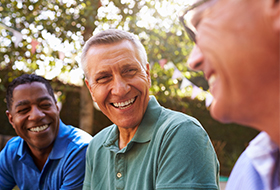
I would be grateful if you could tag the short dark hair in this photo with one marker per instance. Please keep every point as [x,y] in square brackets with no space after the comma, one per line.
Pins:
[24,79]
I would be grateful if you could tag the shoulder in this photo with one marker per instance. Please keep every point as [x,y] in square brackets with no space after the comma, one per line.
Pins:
[244,175]
[173,120]
[99,139]
[80,136]
[13,144]
[10,150]
[75,135]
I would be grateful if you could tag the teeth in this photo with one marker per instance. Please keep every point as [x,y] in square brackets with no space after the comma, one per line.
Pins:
[212,79]
[123,105]
[38,129]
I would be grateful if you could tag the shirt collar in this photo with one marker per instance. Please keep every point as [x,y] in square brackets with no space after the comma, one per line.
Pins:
[22,149]
[60,143]
[264,155]
[146,128]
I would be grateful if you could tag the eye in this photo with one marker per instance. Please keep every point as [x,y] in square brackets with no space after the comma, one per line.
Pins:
[104,79]
[45,105]
[130,72]
[23,110]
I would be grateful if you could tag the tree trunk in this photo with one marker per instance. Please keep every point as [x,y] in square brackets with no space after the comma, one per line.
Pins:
[86,110]
[86,103]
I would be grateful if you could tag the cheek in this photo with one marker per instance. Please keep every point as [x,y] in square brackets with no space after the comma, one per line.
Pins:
[99,93]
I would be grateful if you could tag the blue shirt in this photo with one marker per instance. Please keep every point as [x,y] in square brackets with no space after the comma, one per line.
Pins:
[258,167]
[169,150]
[64,168]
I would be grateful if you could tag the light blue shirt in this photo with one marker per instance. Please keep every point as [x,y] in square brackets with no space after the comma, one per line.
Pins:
[64,168]
[258,167]
[169,150]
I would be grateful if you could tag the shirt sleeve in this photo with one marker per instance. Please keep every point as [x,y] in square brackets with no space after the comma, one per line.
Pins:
[75,170]
[187,159]
[6,178]
[86,185]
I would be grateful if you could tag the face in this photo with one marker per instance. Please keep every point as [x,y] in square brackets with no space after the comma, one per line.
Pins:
[238,55]
[34,115]
[118,82]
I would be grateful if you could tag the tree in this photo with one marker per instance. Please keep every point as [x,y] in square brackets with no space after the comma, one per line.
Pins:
[54,31]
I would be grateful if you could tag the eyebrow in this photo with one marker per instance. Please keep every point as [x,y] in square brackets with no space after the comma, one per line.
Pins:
[122,67]
[26,102]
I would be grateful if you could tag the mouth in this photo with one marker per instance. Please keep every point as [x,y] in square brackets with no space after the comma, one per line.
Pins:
[124,105]
[212,80]
[39,128]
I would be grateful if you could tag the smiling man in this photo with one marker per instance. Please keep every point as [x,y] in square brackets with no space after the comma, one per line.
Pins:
[148,147]
[238,49]
[47,154]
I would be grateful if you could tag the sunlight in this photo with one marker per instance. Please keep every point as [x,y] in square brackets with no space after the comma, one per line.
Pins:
[167,10]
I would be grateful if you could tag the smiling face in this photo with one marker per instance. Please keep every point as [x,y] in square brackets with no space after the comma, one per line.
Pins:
[34,115]
[118,82]
[239,55]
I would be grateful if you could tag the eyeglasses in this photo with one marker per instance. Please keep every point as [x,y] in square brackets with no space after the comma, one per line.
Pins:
[183,12]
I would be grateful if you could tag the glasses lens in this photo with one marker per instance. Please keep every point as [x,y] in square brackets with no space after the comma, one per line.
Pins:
[189,15]
[185,17]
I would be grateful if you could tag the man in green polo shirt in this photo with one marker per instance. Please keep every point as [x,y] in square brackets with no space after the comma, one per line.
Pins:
[148,146]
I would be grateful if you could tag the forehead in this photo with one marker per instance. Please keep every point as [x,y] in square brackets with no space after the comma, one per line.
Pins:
[111,50]
[30,91]
[29,86]
[111,54]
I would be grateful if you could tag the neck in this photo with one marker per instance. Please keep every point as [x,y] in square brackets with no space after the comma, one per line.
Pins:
[125,136]
[40,156]
[268,115]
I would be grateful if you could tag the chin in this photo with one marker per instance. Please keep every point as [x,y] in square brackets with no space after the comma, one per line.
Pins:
[219,113]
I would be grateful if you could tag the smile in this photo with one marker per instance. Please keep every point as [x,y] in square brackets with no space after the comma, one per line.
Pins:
[126,104]
[39,129]
[212,80]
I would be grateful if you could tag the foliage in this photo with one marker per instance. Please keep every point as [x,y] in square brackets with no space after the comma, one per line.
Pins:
[62,26]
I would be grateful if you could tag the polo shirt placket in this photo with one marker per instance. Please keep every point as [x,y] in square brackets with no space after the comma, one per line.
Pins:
[119,170]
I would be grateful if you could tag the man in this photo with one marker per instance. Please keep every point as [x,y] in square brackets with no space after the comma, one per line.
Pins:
[47,154]
[237,48]
[148,147]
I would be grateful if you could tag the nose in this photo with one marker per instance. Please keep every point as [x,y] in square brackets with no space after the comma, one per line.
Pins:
[120,86]
[195,60]
[36,113]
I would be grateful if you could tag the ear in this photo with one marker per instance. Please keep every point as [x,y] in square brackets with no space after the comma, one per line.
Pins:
[57,107]
[274,12]
[10,117]
[89,88]
[148,73]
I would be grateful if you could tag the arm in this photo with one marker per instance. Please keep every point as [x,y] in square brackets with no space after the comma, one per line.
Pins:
[88,172]
[7,181]
[187,159]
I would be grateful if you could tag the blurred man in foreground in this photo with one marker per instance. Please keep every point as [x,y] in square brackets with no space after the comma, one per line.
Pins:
[237,48]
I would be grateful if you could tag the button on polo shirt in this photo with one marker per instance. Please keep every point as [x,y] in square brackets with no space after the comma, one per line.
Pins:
[119,175]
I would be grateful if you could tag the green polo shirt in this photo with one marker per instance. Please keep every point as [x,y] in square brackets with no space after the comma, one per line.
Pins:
[170,150]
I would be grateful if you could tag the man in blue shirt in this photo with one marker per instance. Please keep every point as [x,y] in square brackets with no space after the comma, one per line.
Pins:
[148,147]
[47,154]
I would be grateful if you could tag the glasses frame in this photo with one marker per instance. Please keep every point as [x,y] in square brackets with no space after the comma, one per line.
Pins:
[183,12]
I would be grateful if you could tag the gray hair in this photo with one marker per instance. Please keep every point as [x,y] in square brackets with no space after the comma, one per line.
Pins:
[111,36]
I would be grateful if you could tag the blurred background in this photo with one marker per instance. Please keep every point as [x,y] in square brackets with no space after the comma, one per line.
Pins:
[45,37]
